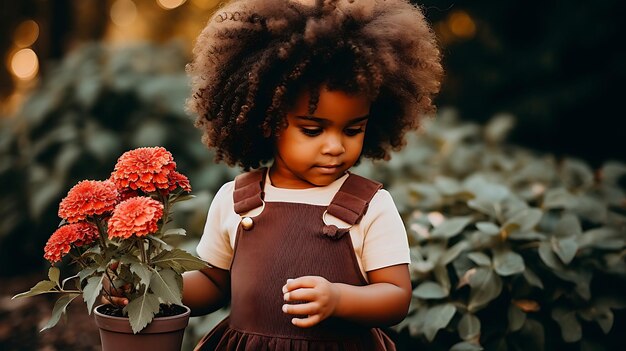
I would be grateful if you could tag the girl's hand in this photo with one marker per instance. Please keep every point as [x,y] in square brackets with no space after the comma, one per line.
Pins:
[321,296]
[111,295]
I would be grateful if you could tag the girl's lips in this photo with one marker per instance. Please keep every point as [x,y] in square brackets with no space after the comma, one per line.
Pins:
[329,169]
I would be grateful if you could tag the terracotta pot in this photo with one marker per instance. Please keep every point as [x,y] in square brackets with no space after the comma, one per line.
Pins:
[163,333]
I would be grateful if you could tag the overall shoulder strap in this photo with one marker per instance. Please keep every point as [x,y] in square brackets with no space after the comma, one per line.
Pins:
[351,201]
[248,193]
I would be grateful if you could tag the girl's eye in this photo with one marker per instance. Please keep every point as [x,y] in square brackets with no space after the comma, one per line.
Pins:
[312,131]
[353,131]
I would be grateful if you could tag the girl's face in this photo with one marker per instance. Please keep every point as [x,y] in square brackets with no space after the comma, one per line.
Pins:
[316,149]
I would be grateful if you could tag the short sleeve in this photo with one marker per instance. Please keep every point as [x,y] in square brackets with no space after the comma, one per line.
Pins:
[385,240]
[215,244]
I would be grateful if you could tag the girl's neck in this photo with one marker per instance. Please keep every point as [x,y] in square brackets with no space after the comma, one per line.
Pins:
[279,180]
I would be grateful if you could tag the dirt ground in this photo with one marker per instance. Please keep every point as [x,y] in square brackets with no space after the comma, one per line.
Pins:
[21,320]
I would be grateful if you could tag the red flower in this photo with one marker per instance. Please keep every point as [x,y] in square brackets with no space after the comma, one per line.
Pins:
[136,216]
[88,198]
[146,169]
[61,241]
[179,180]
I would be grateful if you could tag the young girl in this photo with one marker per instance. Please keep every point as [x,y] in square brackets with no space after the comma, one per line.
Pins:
[310,256]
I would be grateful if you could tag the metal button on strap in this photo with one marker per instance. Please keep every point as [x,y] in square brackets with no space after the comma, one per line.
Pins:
[247,223]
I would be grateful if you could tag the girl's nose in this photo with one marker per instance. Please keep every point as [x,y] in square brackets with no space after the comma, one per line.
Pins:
[333,145]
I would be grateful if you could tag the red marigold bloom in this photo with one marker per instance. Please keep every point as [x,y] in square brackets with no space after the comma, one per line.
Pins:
[136,216]
[146,169]
[88,198]
[61,241]
[179,180]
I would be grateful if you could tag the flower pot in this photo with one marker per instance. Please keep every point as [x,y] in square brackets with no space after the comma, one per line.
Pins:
[163,333]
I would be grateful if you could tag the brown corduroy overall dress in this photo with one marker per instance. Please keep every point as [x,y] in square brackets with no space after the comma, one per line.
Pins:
[290,240]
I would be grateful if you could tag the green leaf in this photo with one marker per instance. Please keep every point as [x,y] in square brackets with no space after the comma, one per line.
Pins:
[54,274]
[576,174]
[175,231]
[559,198]
[447,186]
[526,219]
[571,331]
[165,286]
[569,225]
[488,228]
[453,252]
[516,318]
[141,311]
[565,248]
[437,317]
[507,262]
[73,277]
[604,317]
[430,290]
[485,190]
[532,278]
[479,258]
[59,310]
[531,235]
[498,128]
[40,288]
[92,290]
[486,285]
[483,206]
[605,238]
[86,272]
[469,327]
[548,257]
[160,242]
[143,272]
[441,275]
[581,277]
[451,227]
[465,346]
[183,197]
[178,260]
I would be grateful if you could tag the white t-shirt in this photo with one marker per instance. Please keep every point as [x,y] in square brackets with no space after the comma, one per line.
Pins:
[379,239]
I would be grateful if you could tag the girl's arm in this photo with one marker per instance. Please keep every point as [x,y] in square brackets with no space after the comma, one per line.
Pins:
[385,301]
[206,290]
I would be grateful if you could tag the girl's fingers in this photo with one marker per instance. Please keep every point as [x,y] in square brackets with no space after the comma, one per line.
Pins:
[302,282]
[118,301]
[301,309]
[306,322]
[302,294]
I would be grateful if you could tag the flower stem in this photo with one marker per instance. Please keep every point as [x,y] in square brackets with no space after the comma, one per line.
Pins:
[101,231]
[142,250]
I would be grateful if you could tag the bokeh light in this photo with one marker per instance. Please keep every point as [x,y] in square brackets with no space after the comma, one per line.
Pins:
[462,25]
[123,12]
[204,4]
[26,34]
[24,64]
[170,4]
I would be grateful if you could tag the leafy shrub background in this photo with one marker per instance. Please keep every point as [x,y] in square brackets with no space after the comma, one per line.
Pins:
[511,250]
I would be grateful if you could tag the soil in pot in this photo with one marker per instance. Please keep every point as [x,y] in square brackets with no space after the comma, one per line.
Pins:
[164,310]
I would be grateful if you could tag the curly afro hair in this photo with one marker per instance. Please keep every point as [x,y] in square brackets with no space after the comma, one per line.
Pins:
[255,56]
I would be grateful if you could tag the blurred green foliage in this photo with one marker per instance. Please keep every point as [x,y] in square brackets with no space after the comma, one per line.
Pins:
[94,105]
[510,249]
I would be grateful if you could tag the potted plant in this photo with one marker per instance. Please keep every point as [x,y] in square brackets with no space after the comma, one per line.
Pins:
[116,232]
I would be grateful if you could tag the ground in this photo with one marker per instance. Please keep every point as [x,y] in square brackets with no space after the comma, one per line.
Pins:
[21,320]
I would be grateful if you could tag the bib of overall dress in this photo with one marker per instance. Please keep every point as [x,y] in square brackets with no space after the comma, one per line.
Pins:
[285,241]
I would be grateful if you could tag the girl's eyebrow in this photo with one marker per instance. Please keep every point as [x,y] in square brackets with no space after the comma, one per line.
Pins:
[325,121]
